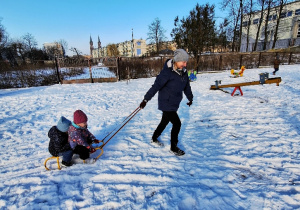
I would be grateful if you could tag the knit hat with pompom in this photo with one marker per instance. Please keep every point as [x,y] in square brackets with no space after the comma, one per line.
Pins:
[80,117]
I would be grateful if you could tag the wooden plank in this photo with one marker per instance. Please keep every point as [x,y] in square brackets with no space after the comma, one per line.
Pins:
[95,80]
[276,80]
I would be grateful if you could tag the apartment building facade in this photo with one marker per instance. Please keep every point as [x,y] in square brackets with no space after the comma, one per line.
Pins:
[288,28]
[132,48]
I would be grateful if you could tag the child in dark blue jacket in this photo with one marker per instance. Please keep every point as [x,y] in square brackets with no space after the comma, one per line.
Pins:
[59,144]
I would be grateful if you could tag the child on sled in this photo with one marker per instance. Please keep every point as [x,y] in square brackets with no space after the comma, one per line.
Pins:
[59,144]
[80,138]
[68,138]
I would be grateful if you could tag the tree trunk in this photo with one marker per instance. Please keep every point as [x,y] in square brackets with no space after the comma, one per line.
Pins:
[266,25]
[277,24]
[259,24]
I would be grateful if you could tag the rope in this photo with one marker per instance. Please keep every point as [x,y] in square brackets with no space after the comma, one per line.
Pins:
[126,121]
[120,123]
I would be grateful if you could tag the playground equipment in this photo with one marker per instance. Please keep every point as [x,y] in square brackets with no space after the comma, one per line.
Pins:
[238,74]
[264,79]
[192,75]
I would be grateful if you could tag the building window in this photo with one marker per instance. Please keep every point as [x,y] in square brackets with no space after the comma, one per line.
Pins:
[270,17]
[138,51]
[290,13]
[138,43]
[246,23]
[255,21]
[283,15]
[274,17]
[297,12]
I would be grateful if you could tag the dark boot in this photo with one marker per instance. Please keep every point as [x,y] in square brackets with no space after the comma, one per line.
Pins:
[177,151]
[66,163]
[155,141]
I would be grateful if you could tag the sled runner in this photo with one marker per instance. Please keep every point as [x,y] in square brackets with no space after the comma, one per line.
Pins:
[57,159]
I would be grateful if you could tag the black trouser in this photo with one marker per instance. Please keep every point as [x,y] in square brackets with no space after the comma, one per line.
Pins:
[82,151]
[166,118]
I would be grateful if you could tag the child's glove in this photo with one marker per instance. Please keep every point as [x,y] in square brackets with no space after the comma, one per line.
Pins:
[92,150]
[97,141]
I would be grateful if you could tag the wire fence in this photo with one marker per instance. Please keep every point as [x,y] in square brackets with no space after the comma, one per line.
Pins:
[112,69]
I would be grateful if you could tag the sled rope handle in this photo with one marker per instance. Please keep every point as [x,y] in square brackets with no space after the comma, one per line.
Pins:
[130,117]
[121,122]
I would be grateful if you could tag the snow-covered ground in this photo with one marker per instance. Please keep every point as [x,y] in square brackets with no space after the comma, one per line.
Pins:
[242,152]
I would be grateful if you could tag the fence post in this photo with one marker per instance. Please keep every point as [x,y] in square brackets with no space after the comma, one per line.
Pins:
[259,57]
[290,58]
[118,74]
[57,71]
[220,62]
[90,68]
[241,60]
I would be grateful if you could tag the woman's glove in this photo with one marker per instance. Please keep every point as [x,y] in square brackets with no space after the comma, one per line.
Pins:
[189,103]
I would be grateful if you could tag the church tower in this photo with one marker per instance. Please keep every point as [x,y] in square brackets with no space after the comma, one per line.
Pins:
[91,46]
[99,48]
[99,43]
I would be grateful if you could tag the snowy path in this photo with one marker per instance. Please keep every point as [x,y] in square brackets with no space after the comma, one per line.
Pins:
[242,152]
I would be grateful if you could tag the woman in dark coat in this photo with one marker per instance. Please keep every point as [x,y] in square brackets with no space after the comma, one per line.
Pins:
[170,84]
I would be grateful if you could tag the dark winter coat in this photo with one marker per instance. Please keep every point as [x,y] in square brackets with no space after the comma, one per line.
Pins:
[58,141]
[276,63]
[170,85]
[80,136]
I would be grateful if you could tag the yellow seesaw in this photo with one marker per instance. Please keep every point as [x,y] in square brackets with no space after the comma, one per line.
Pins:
[263,80]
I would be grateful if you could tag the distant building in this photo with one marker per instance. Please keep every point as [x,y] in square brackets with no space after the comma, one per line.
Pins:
[134,48]
[288,30]
[169,45]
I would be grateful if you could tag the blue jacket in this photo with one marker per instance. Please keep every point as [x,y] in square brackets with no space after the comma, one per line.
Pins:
[170,85]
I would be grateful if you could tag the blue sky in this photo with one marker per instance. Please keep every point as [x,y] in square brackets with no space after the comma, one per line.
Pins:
[76,20]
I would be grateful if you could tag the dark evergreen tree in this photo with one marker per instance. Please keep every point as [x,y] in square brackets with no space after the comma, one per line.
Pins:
[197,32]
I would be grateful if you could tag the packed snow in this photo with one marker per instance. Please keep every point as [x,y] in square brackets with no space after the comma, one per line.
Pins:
[242,152]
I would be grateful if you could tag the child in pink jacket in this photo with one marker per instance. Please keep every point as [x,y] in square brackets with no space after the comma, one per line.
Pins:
[80,138]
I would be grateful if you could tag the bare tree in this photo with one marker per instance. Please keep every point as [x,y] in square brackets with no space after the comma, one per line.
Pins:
[156,34]
[262,6]
[234,16]
[269,5]
[76,51]
[222,35]
[241,22]
[30,44]
[281,4]
[3,39]
[112,50]
[64,45]
[248,9]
